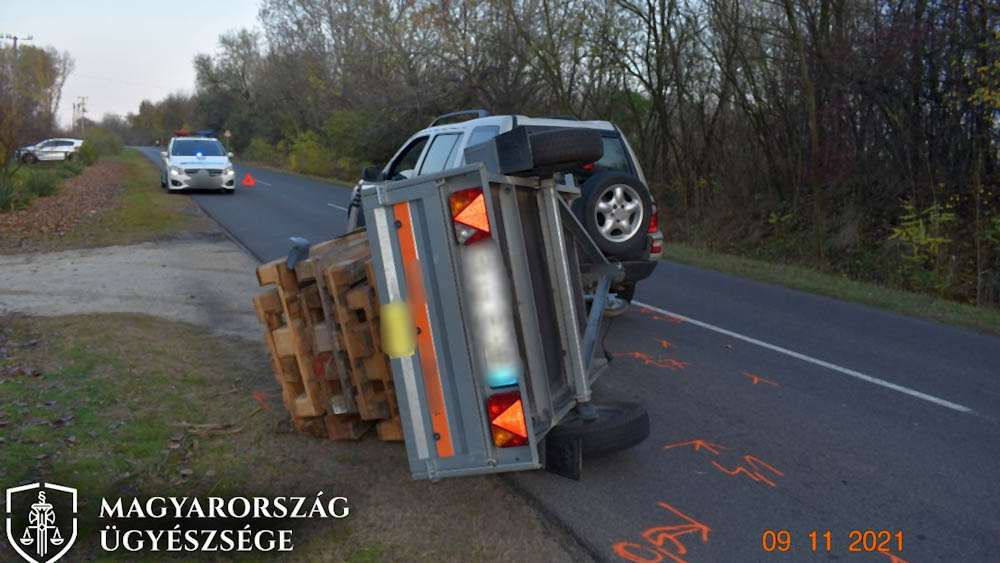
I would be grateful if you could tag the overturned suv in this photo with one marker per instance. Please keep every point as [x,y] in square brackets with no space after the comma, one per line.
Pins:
[615,205]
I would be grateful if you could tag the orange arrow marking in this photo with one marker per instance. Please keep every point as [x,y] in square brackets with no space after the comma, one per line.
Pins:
[249,181]
[698,445]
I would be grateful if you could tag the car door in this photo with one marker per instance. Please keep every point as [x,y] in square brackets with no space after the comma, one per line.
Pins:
[45,150]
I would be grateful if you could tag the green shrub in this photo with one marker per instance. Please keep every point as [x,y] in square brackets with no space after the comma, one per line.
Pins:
[69,168]
[310,156]
[12,196]
[264,152]
[87,153]
[42,183]
[105,141]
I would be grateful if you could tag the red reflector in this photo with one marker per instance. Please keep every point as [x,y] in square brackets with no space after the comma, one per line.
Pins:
[654,221]
[588,167]
[468,210]
[656,247]
[507,419]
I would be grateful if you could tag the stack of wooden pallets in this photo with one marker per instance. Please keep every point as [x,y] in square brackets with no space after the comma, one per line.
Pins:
[322,329]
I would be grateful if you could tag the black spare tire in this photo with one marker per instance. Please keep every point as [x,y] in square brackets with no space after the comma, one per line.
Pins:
[616,208]
[618,425]
[565,148]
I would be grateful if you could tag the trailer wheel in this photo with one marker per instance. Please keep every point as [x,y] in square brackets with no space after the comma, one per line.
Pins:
[618,425]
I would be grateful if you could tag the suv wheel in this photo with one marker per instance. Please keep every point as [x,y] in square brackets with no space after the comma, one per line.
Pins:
[29,158]
[616,213]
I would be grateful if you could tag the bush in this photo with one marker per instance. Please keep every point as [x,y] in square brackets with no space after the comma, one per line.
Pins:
[105,141]
[13,197]
[87,153]
[263,152]
[42,183]
[69,168]
[310,156]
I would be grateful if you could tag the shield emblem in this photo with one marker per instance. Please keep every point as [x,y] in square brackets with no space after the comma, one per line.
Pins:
[41,521]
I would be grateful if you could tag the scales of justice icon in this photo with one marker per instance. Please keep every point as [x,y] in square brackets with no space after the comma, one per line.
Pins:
[41,520]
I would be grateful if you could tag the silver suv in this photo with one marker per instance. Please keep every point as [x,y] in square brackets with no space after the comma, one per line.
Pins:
[616,206]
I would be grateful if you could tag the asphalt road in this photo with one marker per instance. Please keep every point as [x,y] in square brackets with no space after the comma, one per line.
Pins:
[771,409]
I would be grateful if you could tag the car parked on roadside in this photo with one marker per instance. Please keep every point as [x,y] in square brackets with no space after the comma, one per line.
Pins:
[615,206]
[197,162]
[49,149]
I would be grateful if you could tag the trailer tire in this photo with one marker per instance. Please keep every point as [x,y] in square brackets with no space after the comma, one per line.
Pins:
[619,425]
[565,148]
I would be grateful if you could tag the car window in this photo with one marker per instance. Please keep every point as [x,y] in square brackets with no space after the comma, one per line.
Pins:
[439,153]
[481,134]
[66,143]
[615,159]
[405,166]
[47,144]
[197,147]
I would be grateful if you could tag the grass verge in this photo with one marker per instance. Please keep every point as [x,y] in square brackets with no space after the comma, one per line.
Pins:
[907,303]
[143,211]
[121,405]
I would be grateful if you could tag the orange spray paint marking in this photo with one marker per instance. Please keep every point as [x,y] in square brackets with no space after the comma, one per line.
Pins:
[659,536]
[658,317]
[665,363]
[893,558]
[263,396]
[698,445]
[758,379]
[755,475]
[664,343]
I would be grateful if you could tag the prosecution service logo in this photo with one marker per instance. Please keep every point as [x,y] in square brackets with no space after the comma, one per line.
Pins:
[41,521]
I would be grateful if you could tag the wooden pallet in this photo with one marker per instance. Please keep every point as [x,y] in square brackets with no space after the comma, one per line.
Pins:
[321,320]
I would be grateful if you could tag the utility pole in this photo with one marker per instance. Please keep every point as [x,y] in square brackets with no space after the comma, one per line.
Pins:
[81,104]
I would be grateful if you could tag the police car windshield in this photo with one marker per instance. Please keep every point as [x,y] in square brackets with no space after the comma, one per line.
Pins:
[194,147]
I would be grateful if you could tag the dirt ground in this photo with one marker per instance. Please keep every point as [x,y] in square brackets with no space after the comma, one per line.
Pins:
[203,279]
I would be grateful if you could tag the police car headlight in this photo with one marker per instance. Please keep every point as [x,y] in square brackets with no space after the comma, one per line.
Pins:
[175,171]
[227,170]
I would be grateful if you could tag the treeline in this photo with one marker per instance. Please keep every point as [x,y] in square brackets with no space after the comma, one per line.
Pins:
[858,136]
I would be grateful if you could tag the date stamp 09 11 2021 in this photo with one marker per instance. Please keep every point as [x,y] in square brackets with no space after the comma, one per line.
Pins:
[861,541]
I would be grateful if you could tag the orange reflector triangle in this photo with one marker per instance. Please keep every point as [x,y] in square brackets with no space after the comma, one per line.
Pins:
[248,180]
[512,420]
[474,215]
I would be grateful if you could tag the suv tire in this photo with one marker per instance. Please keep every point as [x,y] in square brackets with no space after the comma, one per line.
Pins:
[617,228]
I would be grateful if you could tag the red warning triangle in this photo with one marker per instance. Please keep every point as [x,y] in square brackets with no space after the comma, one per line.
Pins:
[249,181]
[474,215]
[512,420]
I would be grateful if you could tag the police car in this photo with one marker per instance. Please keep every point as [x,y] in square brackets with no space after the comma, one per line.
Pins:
[197,161]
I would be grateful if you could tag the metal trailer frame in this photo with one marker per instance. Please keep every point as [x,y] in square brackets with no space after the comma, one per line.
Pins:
[441,392]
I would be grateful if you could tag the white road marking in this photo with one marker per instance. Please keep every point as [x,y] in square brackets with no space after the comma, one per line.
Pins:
[261,183]
[338,207]
[811,360]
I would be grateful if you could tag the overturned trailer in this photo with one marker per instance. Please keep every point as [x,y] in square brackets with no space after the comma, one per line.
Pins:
[492,296]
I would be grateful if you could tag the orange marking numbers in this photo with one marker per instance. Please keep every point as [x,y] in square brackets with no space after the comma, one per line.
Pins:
[664,343]
[658,317]
[659,537]
[755,475]
[758,379]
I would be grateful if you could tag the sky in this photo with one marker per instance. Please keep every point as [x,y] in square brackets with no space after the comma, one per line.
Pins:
[125,51]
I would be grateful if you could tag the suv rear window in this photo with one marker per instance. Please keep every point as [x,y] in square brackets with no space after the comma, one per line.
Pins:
[615,159]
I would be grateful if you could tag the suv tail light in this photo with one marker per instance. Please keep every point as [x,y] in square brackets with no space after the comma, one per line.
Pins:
[507,420]
[468,211]
[654,221]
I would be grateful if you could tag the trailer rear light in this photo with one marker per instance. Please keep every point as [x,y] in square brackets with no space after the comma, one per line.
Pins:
[507,420]
[468,211]
[654,220]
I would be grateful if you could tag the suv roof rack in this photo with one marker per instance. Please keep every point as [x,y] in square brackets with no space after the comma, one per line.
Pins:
[565,117]
[477,112]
